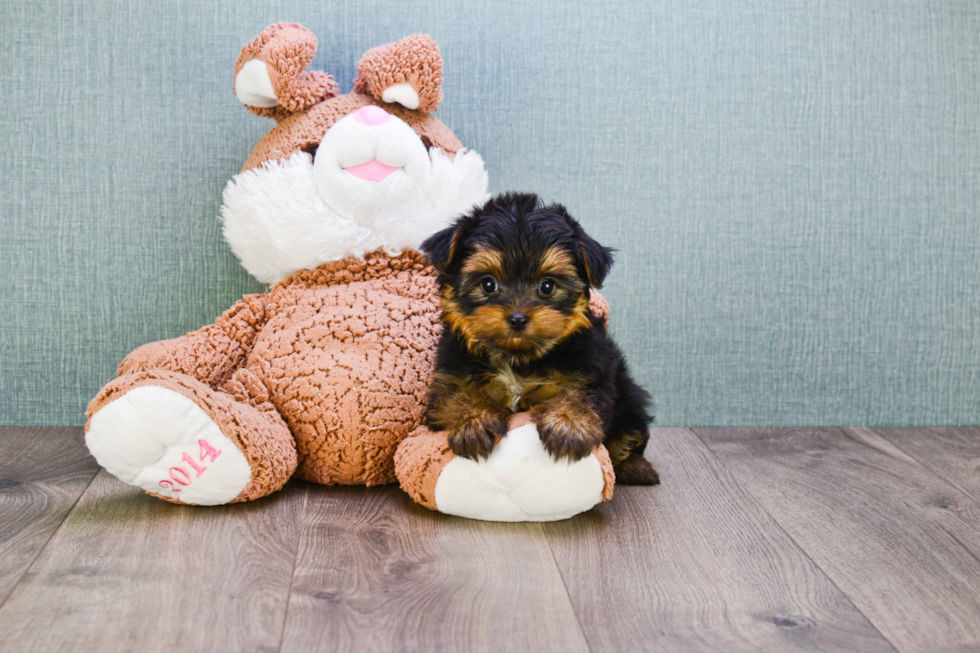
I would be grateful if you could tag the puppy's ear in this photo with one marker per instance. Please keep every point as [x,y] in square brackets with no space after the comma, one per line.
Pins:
[596,259]
[443,246]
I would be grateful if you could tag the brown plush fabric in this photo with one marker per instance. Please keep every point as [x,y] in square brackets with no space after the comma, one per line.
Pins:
[419,461]
[304,131]
[252,424]
[518,420]
[286,49]
[211,354]
[608,475]
[347,354]
[598,305]
[414,60]
[337,360]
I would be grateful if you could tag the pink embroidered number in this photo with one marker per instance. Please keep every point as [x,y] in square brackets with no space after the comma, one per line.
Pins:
[197,468]
[207,450]
[173,476]
[170,486]
[181,477]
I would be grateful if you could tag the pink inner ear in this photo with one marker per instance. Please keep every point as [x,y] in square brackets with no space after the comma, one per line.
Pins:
[372,170]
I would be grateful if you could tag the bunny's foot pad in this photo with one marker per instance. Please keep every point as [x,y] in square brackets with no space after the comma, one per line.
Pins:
[163,442]
[520,481]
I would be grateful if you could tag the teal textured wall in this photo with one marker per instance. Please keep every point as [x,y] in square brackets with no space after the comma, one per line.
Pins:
[792,185]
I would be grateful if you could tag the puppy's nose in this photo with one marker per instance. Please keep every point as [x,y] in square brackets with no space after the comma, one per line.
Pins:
[518,321]
[371,115]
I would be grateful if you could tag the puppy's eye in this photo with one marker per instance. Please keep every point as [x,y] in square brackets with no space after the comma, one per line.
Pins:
[546,287]
[489,285]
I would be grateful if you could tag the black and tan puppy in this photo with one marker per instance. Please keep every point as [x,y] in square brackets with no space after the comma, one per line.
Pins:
[515,278]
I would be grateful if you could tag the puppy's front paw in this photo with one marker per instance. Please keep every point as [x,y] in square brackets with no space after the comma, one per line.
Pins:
[568,429]
[475,437]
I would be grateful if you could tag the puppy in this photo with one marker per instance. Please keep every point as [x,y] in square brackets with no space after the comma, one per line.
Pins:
[519,335]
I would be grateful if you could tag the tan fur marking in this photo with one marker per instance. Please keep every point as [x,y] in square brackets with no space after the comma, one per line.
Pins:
[549,388]
[490,322]
[457,320]
[547,327]
[556,262]
[516,393]
[488,261]
[511,386]
[579,318]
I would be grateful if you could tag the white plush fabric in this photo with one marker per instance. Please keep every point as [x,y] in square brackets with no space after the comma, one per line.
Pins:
[295,214]
[519,482]
[253,87]
[142,436]
[404,94]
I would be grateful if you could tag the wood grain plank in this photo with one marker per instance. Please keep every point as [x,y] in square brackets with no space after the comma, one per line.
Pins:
[696,565]
[900,542]
[130,572]
[376,572]
[950,452]
[43,471]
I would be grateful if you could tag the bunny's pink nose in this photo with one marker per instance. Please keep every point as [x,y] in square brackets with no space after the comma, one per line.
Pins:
[371,115]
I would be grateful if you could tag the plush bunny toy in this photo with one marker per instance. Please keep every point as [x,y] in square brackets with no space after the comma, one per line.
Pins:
[325,374]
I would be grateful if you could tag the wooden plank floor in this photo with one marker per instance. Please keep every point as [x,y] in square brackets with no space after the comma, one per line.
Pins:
[902,543]
[759,539]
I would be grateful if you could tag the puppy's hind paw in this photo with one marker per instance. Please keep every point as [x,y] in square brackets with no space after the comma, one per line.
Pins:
[636,470]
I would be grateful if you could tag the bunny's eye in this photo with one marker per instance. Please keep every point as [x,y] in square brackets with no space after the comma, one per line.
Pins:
[488,284]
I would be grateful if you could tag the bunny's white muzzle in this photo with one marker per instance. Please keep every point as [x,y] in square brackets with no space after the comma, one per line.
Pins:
[372,185]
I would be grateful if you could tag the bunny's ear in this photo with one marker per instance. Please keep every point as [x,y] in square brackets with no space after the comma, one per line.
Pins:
[271,77]
[407,72]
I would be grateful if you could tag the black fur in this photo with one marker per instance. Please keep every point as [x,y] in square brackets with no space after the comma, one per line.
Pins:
[519,224]
[522,230]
